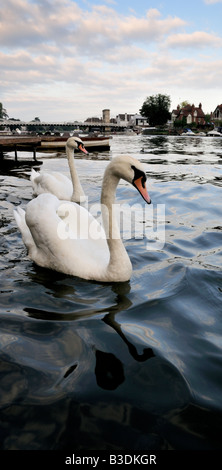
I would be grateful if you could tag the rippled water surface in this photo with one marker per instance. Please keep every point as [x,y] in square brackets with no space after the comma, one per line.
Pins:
[134,365]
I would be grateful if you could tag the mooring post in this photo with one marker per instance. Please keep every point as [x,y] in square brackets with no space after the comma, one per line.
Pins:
[34,153]
[1,152]
[16,155]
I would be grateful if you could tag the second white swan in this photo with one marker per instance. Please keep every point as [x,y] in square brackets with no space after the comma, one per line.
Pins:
[59,184]
[65,237]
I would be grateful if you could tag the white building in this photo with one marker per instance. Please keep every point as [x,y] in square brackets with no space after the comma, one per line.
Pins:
[131,120]
[138,120]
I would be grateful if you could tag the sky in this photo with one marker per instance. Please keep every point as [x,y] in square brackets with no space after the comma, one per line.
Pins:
[65,60]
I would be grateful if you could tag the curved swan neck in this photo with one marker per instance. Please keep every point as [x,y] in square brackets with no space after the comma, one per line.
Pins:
[77,188]
[119,259]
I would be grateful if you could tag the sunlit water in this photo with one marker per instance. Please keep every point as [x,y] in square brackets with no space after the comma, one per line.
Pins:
[135,365]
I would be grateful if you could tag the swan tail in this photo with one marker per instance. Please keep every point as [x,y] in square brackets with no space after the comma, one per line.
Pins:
[34,178]
[19,215]
[28,241]
[34,175]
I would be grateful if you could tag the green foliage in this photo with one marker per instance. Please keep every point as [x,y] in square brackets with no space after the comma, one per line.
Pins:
[184,103]
[180,123]
[3,112]
[207,118]
[156,109]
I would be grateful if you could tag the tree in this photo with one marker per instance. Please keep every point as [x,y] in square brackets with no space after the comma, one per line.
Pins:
[3,112]
[156,109]
[184,103]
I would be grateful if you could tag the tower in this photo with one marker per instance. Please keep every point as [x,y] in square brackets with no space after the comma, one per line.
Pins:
[106,116]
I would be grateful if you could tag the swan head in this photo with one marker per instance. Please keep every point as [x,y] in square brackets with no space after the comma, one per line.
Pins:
[132,171]
[76,143]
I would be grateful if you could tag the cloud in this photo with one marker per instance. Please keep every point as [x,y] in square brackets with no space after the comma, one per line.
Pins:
[211,2]
[91,31]
[199,39]
[36,23]
[56,56]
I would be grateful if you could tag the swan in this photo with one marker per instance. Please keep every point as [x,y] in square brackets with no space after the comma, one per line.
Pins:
[59,184]
[65,237]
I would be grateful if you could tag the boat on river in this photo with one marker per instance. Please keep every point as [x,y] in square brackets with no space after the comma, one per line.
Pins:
[49,143]
[188,132]
[92,143]
[214,133]
[46,144]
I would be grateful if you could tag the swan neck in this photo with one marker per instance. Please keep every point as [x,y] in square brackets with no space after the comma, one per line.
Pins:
[119,259]
[77,188]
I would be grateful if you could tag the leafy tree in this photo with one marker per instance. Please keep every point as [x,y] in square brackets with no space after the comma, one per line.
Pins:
[181,123]
[3,112]
[156,109]
[184,103]
[207,118]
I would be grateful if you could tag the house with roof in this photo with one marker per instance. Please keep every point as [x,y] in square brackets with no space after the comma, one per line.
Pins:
[175,113]
[131,120]
[217,114]
[123,119]
[139,121]
[189,114]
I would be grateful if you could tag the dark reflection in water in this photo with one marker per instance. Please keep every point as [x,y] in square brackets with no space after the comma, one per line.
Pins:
[109,370]
[126,366]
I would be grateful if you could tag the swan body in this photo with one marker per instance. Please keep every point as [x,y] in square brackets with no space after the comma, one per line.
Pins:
[65,237]
[59,184]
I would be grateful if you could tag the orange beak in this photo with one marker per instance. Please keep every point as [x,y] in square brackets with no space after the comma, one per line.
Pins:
[82,148]
[142,189]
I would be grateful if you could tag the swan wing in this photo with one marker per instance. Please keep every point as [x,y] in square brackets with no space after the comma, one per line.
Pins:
[55,183]
[64,238]
[27,237]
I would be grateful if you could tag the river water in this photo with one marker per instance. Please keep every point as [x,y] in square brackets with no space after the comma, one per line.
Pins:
[135,365]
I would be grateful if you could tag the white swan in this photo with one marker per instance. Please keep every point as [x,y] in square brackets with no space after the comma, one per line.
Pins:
[65,237]
[58,184]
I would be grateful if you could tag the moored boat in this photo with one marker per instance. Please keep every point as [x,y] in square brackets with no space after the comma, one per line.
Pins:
[44,144]
[50,143]
[214,133]
[92,143]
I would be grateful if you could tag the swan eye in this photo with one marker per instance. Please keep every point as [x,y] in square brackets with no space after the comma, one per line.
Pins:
[139,174]
[79,143]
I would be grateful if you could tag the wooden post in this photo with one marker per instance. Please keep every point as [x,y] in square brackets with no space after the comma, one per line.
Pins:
[16,155]
[34,153]
[1,152]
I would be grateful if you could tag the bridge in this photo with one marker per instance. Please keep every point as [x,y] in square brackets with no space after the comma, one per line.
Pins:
[102,126]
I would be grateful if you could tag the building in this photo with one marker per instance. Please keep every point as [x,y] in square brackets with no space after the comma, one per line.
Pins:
[189,114]
[131,120]
[93,119]
[217,114]
[123,119]
[175,113]
[106,116]
[139,121]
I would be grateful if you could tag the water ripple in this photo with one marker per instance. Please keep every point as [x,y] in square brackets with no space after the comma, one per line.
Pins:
[136,365]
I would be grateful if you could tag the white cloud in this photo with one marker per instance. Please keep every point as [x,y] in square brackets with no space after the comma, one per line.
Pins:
[90,31]
[211,2]
[59,58]
[198,39]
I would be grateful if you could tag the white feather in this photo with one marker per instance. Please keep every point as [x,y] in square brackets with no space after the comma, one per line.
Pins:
[65,237]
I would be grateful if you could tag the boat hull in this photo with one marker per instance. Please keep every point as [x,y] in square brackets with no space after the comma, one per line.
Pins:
[91,144]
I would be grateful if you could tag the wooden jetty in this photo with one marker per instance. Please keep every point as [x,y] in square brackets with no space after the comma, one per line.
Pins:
[45,143]
[16,143]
